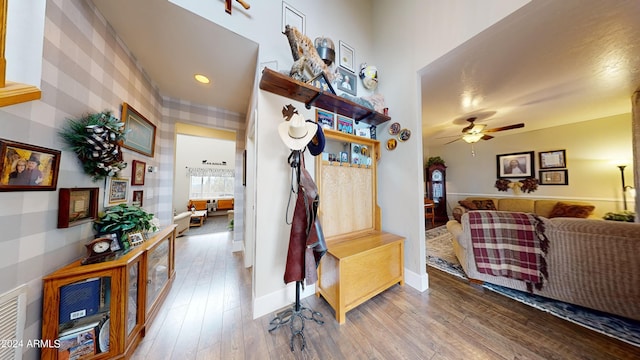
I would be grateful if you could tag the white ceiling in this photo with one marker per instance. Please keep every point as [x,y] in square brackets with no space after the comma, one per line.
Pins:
[551,62]
[172,45]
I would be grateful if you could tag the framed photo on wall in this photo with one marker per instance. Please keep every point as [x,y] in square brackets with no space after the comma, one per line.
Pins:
[347,56]
[137,197]
[77,206]
[348,82]
[25,167]
[140,132]
[138,169]
[515,165]
[292,17]
[553,159]
[554,177]
[116,191]
[345,124]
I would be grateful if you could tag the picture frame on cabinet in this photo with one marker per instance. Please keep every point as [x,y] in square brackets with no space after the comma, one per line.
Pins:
[553,159]
[116,191]
[25,167]
[326,119]
[135,238]
[345,124]
[138,169]
[292,17]
[77,206]
[141,133]
[320,81]
[347,82]
[554,177]
[347,56]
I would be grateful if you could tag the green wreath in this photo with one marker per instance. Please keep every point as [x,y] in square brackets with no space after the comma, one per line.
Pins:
[95,139]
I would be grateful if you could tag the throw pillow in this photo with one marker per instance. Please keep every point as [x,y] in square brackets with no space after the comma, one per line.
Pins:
[575,211]
[467,204]
[484,205]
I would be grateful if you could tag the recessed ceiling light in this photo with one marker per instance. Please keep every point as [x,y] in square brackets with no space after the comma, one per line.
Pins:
[201,78]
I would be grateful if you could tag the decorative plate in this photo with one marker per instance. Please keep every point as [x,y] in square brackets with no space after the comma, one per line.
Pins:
[391,144]
[404,135]
[394,129]
[103,337]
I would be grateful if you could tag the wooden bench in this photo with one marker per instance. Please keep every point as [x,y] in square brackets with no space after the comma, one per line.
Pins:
[355,269]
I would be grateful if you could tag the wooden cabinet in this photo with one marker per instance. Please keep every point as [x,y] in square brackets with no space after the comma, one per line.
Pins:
[361,261]
[109,303]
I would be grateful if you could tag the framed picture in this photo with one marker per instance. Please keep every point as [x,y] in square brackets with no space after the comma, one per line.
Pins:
[135,238]
[138,169]
[115,243]
[292,17]
[552,159]
[116,191]
[364,132]
[347,56]
[344,157]
[515,165]
[345,124]
[325,119]
[141,133]
[347,82]
[137,197]
[554,177]
[25,167]
[77,206]
[320,81]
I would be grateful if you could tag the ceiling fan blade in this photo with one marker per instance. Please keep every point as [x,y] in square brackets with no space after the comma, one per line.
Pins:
[487,137]
[470,126]
[508,127]
[452,141]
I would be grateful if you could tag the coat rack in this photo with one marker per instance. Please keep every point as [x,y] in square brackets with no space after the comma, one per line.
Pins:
[297,314]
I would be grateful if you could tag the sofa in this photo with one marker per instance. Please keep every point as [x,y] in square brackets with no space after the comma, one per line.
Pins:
[590,262]
[540,207]
[182,221]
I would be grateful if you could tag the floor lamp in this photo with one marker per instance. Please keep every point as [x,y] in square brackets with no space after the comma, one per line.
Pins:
[624,187]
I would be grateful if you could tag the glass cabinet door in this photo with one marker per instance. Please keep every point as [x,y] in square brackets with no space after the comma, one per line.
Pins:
[85,308]
[132,296]
[157,270]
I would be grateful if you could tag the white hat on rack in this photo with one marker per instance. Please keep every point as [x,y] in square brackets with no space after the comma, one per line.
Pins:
[296,133]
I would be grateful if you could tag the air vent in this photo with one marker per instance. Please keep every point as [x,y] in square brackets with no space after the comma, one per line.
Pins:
[13,310]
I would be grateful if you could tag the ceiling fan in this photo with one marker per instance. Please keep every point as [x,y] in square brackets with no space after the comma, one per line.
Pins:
[473,132]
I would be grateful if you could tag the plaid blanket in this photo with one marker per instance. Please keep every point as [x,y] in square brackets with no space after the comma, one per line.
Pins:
[510,244]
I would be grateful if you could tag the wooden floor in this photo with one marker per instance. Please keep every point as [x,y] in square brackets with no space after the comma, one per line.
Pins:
[207,315]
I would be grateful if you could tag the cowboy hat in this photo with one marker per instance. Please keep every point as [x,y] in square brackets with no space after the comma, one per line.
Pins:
[297,133]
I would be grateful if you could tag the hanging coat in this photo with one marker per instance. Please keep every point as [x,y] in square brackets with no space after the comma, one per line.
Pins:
[306,240]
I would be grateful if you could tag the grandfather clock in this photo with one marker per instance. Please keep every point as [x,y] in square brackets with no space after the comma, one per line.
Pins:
[436,190]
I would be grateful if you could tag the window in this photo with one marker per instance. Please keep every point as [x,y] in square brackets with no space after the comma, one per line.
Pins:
[210,186]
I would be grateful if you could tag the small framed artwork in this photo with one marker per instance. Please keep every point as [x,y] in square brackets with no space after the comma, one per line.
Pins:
[138,169]
[320,81]
[364,132]
[552,159]
[515,165]
[137,197]
[554,177]
[347,82]
[141,133]
[344,157]
[292,17]
[115,242]
[325,119]
[345,124]
[135,238]
[25,167]
[116,191]
[347,56]
[77,206]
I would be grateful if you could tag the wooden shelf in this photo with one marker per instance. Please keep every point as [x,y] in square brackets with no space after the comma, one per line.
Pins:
[274,82]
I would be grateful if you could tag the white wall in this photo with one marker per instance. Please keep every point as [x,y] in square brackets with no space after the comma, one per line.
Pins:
[190,152]
[593,149]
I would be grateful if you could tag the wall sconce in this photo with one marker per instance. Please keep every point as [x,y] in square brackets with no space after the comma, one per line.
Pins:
[624,187]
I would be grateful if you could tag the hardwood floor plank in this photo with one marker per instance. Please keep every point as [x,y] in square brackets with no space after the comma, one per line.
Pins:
[208,315]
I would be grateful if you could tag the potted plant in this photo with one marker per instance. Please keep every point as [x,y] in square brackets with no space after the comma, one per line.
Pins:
[435,160]
[124,218]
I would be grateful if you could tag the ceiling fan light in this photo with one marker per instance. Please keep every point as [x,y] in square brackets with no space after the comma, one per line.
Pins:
[472,138]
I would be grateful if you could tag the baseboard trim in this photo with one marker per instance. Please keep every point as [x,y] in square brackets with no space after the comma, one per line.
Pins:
[279,299]
[416,281]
